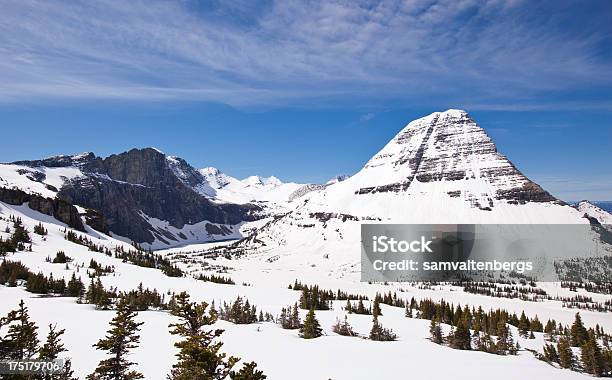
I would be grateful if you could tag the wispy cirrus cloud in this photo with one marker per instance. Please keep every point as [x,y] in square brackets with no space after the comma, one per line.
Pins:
[576,189]
[473,52]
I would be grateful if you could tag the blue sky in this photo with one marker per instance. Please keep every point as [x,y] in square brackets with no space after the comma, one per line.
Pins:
[306,90]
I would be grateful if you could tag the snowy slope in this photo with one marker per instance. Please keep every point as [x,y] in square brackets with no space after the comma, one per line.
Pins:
[45,181]
[593,211]
[337,357]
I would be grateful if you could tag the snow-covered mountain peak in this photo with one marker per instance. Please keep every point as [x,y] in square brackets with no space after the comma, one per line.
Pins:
[210,171]
[216,178]
[593,211]
[338,178]
[255,180]
[447,151]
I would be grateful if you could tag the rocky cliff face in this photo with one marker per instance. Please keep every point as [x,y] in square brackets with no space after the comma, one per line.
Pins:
[133,188]
[58,208]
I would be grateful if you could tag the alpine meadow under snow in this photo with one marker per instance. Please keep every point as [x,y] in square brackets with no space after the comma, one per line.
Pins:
[287,245]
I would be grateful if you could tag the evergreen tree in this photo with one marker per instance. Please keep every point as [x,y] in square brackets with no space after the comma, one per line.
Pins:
[566,356]
[535,325]
[591,357]
[435,331]
[380,333]
[550,327]
[523,325]
[120,339]
[75,286]
[460,338]
[21,341]
[248,372]
[199,355]
[376,308]
[408,311]
[505,343]
[486,344]
[578,332]
[550,353]
[343,328]
[361,308]
[311,328]
[40,229]
[294,320]
[53,346]
[51,350]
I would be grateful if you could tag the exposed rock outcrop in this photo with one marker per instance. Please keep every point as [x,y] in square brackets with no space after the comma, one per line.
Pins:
[58,208]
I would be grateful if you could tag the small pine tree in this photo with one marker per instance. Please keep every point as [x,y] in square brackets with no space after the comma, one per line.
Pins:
[535,325]
[199,355]
[61,258]
[53,345]
[120,339]
[75,286]
[21,341]
[486,344]
[591,357]
[248,371]
[376,308]
[461,338]
[51,350]
[380,333]
[523,325]
[578,332]
[505,344]
[311,328]
[435,331]
[550,354]
[294,320]
[343,328]
[39,229]
[566,356]
[408,311]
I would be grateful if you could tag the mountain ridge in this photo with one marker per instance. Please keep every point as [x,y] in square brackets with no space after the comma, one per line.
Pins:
[132,189]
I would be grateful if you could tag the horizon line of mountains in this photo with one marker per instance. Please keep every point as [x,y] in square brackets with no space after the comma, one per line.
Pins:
[149,197]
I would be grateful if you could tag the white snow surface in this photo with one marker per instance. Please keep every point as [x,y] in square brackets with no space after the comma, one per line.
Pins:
[602,216]
[281,354]
[23,177]
[269,192]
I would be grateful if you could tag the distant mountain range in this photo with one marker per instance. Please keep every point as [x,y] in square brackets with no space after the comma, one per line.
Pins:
[148,197]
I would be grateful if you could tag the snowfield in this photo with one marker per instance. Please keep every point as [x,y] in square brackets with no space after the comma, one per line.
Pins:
[280,353]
